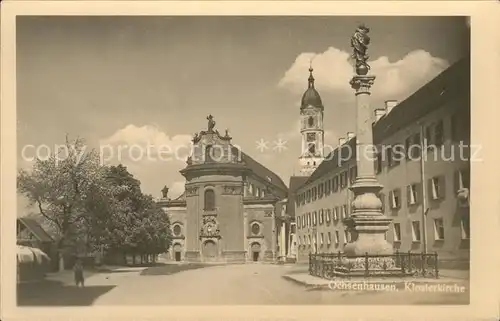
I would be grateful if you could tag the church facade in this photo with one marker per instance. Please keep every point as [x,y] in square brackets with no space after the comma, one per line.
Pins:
[227,212]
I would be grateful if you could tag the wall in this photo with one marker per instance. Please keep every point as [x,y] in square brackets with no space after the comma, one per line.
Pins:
[262,214]
[455,246]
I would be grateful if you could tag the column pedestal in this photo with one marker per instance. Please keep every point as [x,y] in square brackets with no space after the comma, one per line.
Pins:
[367,224]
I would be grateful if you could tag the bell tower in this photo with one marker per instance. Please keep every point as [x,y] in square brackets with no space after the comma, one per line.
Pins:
[311,129]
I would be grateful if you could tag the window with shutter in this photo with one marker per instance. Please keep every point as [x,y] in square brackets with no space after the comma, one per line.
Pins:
[397,232]
[337,237]
[416,149]
[412,194]
[465,227]
[438,229]
[437,187]
[415,228]
[378,163]
[346,236]
[439,134]
[382,199]
[408,143]
[428,136]
[395,198]
[398,154]
[389,157]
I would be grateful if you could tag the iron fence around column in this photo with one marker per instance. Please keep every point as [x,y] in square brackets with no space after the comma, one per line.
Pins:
[331,265]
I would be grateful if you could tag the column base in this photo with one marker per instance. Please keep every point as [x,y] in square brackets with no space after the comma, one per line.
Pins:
[368,235]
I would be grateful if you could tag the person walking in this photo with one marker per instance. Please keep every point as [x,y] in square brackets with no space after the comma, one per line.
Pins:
[78,269]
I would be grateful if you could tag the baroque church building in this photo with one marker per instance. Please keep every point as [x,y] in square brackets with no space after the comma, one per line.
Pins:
[227,212]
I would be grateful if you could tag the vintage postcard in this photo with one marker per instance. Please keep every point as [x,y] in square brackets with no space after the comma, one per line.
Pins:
[269,160]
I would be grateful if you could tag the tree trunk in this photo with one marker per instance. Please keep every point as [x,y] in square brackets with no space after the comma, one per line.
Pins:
[61,262]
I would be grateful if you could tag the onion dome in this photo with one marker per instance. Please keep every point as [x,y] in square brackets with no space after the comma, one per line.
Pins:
[311,96]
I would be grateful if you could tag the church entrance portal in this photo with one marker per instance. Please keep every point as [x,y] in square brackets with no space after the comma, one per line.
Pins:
[255,252]
[209,250]
[177,252]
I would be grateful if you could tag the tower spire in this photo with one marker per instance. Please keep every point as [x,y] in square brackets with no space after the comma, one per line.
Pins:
[311,77]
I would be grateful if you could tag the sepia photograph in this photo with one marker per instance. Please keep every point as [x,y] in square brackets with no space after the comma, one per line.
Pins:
[243,160]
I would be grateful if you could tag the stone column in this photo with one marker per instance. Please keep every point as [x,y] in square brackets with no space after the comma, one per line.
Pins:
[283,239]
[367,224]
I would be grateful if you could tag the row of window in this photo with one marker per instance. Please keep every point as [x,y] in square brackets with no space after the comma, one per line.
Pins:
[439,233]
[325,215]
[436,190]
[336,184]
[312,240]
[434,135]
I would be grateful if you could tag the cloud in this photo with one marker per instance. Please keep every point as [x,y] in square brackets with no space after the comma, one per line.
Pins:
[333,70]
[150,155]
[176,189]
[144,144]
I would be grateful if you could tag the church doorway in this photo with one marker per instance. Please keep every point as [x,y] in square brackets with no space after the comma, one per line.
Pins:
[209,250]
[255,252]
[177,252]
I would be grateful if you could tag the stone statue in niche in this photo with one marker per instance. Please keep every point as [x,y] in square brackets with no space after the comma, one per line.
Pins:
[210,227]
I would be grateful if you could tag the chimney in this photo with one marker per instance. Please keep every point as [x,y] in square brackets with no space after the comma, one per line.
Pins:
[379,113]
[342,141]
[389,105]
[350,135]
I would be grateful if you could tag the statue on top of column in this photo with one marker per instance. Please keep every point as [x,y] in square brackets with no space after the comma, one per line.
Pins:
[211,123]
[359,42]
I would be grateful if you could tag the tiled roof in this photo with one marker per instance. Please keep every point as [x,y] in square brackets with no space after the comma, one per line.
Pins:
[295,183]
[35,228]
[452,83]
[262,171]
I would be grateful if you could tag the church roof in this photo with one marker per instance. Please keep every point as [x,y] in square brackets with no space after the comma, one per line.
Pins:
[295,183]
[453,83]
[262,171]
[311,96]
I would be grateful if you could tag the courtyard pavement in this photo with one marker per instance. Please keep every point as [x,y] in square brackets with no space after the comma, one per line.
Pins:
[237,284]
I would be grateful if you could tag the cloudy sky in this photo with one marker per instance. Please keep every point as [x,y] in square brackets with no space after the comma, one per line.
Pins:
[151,81]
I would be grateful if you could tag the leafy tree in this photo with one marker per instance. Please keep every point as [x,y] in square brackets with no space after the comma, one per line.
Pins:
[139,226]
[92,207]
[60,186]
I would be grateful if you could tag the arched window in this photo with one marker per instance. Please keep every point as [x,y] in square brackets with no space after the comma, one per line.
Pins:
[310,121]
[209,200]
